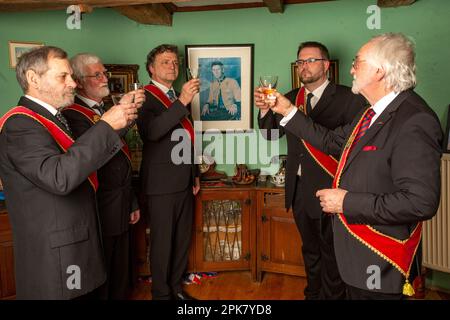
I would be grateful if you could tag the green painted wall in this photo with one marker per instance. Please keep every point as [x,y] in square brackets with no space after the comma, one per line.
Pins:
[341,25]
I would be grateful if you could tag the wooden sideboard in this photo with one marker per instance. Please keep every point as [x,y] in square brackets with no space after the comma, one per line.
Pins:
[245,228]
[7,278]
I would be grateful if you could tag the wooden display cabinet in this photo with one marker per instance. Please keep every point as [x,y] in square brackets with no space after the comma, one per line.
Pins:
[279,242]
[224,230]
[268,241]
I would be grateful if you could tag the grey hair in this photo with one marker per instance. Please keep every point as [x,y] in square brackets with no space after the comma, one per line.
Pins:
[394,53]
[79,61]
[36,60]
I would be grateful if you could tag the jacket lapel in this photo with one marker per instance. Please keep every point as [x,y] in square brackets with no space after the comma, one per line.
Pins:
[324,101]
[25,102]
[379,123]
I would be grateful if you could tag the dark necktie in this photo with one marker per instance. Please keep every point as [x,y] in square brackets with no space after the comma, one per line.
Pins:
[171,95]
[63,120]
[100,108]
[364,125]
[308,103]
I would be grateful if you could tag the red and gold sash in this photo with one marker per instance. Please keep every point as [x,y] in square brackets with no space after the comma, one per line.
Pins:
[158,94]
[326,162]
[399,253]
[61,138]
[94,117]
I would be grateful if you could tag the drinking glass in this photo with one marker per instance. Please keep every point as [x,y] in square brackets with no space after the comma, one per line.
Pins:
[135,86]
[116,97]
[269,86]
[193,73]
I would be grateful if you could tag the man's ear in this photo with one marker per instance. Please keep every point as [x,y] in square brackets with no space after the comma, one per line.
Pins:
[326,65]
[79,84]
[379,75]
[33,79]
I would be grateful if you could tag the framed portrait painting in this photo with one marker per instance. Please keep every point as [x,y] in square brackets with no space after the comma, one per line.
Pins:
[225,100]
[16,49]
[333,73]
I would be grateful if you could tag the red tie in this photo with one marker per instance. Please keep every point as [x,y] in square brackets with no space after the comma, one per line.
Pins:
[364,125]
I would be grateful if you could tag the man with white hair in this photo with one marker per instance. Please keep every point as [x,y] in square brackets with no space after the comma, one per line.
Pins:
[117,203]
[50,181]
[388,177]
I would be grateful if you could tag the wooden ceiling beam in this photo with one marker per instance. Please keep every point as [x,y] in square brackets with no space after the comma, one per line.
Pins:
[394,3]
[94,3]
[275,6]
[154,14]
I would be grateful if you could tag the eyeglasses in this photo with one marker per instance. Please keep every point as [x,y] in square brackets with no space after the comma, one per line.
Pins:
[355,63]
[100,75]
[301,62]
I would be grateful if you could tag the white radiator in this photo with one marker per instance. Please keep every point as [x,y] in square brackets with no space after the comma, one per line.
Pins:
[436,232]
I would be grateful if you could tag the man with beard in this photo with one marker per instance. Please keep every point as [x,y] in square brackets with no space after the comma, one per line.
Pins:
[117,203]
[308,169]
[50,181]
[388,178]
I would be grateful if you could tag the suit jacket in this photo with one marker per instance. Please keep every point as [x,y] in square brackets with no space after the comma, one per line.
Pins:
[52,205]
[393,184]
[230,90]
[115,196]
[336,107]
[159,174]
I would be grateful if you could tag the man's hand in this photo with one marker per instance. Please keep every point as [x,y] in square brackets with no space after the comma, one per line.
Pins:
[139,97]
[260,101]
[134,216]
[205,109]
[189,90]
[232,109]
[120,116]
[332,200]
[280,104]
[196,186]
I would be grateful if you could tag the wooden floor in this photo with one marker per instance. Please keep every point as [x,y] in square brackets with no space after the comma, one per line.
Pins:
[238,285]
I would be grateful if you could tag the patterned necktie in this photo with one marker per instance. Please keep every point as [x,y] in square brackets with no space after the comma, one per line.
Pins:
[364,125]
[308,103]
[63,120]
[171,95]
[100,108]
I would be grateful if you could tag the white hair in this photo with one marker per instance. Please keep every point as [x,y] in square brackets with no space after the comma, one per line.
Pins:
[394,53]
[79,61]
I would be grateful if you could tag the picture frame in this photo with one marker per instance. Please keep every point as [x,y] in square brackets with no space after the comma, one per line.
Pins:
[121,76]
[226,104]
[18,48]
[446,146]
[333,73]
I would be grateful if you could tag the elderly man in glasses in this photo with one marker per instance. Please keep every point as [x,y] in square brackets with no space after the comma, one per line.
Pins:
[388,178]
[309,170]
[117,203]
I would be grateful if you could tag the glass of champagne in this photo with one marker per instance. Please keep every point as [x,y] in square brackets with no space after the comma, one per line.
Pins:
[135,86]
[269,86]
[193,73]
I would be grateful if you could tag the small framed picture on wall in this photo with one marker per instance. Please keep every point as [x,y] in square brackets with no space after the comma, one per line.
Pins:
[16,49]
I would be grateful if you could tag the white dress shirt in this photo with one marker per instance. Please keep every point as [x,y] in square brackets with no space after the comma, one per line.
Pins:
[163,88]
[50,108]
[91,103]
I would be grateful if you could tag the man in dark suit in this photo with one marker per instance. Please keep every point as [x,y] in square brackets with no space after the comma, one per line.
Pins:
[117,203]
[388,177]
[168,177]
[50,181]
[329,105]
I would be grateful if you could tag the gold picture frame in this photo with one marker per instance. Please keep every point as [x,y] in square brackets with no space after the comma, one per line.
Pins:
[18,48]
[333,73]
[121,76]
